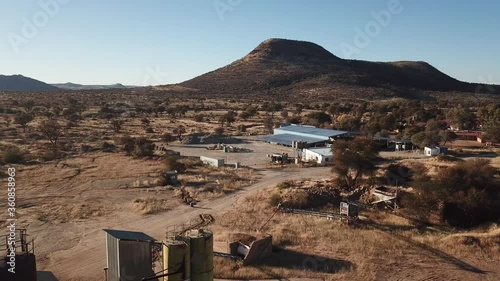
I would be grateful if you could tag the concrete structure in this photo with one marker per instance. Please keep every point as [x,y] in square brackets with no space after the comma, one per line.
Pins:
[310,135]
[214,162]
[201,248]
[129,255]
[176,260]
[252,251]
[320,155]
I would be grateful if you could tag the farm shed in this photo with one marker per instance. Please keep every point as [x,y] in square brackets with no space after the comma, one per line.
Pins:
[310,135]
[129,255]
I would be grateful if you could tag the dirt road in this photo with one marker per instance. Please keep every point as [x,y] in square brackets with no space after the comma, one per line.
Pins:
[86,260]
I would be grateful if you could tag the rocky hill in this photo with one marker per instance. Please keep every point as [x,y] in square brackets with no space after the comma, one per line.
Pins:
[285,68]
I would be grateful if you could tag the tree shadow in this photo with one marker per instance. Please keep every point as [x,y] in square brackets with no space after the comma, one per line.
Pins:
[477,154]
[438,253]
[285,258]
[45,276]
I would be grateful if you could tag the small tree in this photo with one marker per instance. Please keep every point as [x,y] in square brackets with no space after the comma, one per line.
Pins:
[12,155]
[52,131]
[219,131]
[179,131]
[447,136]
[23,119]
[284,114]
[127,144]
[143,147]
[318,118]
[28,105]
[116,124]
[230,117]
[353,160]
[172,164]
[245,115]
[493,134]
[268,124]
[167,137]
[7,120]
[145,122]
[199,117]
[56,110]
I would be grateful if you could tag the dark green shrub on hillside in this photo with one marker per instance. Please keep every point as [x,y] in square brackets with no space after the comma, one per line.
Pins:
[12,155]
[463,195]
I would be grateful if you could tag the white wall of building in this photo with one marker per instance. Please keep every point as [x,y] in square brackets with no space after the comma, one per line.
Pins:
[431,151]
[318,155]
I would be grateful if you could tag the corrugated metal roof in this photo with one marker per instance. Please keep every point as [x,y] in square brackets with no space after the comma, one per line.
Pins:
[129,235]
[313,131]
[391,140]
[286,139]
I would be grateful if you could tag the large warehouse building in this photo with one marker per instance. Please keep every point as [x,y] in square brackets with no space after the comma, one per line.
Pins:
[312,136]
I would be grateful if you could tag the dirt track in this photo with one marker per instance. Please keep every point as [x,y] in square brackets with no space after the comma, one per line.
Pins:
[87,258]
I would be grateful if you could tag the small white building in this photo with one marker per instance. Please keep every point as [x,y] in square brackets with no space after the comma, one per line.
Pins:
[432,151]
[214,162]
[320,155]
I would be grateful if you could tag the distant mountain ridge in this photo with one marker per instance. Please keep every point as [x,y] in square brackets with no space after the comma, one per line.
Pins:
[74,86]
[22,83]
[285,68]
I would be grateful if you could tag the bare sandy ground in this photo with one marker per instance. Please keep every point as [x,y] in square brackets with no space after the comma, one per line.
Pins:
[66,205]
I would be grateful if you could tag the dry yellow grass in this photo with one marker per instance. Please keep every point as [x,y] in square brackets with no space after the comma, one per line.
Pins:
[70,212]
[146,206]
[205,182]
[381,246]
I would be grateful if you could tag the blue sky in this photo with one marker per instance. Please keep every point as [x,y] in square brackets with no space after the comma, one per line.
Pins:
[168,41]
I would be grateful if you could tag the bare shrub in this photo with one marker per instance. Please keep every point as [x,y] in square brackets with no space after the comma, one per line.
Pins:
[172,164]
[12,155]
[146,206]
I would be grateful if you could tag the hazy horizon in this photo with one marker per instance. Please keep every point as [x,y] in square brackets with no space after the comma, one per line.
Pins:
[149,42]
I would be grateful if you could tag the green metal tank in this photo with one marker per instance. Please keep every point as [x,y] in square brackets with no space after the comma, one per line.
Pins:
[202,255]
[176,259]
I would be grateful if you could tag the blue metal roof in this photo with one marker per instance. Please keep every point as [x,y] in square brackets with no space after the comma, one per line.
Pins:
[309,130]
[129,235]
[286,139]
